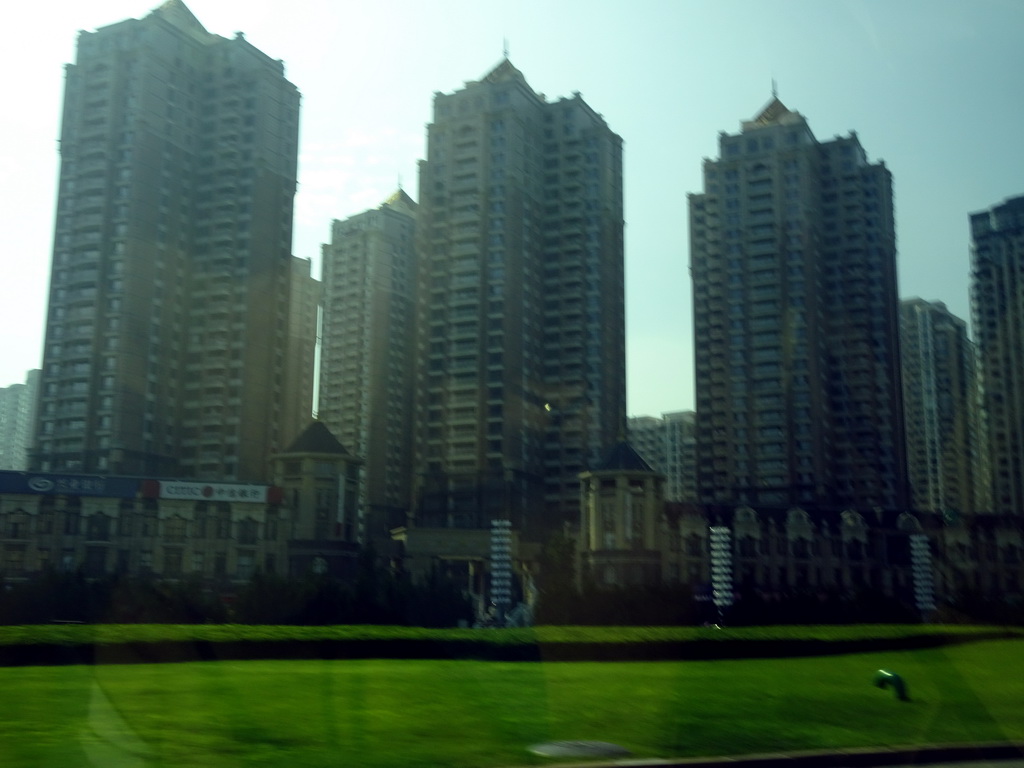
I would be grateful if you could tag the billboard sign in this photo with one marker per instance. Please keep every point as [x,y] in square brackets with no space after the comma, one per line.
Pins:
[69,485]
[235,492]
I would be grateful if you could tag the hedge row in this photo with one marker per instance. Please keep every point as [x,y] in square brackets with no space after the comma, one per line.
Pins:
[81,645]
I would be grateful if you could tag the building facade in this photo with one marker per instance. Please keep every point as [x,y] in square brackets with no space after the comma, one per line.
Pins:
[997,308]
[669,445]
[520,314]
[368,348]
[219,533]
[941,406]
[622,519]
[17,421]
[796,318]
[167,327]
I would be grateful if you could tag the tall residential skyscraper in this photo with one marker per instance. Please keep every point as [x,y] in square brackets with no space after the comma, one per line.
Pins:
[368,348]
[997,310]
[17,421]
[521,379]
[941,408]
[167,326]
[796,319]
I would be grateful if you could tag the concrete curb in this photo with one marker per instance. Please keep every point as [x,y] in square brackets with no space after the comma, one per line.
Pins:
[843,758]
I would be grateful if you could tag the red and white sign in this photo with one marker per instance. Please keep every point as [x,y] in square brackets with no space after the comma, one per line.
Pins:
[175,489]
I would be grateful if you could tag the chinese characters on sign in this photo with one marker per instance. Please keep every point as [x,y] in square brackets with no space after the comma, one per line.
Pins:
[213,492]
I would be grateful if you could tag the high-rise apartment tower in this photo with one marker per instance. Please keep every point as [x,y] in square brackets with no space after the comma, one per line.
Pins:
[168,311]
[521,379]
[796,319]
[997,309]
[367,350]
[941,406]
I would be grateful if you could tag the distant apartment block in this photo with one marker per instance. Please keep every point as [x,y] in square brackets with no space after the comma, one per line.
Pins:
[168,321]
[997,309]
[303,326]
[669,445]
[942,411]
[368,350]
[796,319]
[17,421]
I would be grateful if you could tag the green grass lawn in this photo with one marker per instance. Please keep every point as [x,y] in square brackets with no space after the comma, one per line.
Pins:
[468,713]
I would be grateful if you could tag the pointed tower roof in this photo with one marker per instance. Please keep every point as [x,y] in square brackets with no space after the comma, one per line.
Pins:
[400,201]
[503,72]
[773,113]
[317,438]
[178,14]
[623,456]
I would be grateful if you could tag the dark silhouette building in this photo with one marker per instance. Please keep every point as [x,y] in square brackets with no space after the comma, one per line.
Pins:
[997,260]
[796,320]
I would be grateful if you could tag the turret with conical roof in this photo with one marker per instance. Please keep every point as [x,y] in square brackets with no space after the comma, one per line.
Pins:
[320,479]
[621,517]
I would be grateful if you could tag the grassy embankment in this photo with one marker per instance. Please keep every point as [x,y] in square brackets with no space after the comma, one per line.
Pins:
[471,713]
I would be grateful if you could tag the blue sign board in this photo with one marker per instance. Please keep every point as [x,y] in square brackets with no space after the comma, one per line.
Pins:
[69,485]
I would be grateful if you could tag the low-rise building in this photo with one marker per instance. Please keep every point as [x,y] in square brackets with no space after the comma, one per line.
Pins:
[307,520]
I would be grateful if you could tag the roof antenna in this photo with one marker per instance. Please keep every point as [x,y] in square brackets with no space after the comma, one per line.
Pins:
[399,180]
[504,47]
[775,89]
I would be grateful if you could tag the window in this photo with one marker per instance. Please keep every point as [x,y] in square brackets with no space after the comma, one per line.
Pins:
[172,561]
[223,524]
[98,527]
[248,531]
[245,563]
[174,529]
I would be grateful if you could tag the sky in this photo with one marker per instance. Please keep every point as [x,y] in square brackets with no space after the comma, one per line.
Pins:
[934,88]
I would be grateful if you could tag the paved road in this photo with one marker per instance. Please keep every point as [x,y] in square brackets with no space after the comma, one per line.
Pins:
[997,755]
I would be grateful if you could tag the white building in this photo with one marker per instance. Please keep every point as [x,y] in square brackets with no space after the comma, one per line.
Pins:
[17,421]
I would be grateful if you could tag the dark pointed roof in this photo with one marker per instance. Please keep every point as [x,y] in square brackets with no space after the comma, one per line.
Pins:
[317,438]
[622,456]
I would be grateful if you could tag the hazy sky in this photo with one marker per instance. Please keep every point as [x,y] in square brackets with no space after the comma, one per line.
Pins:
[935,88]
